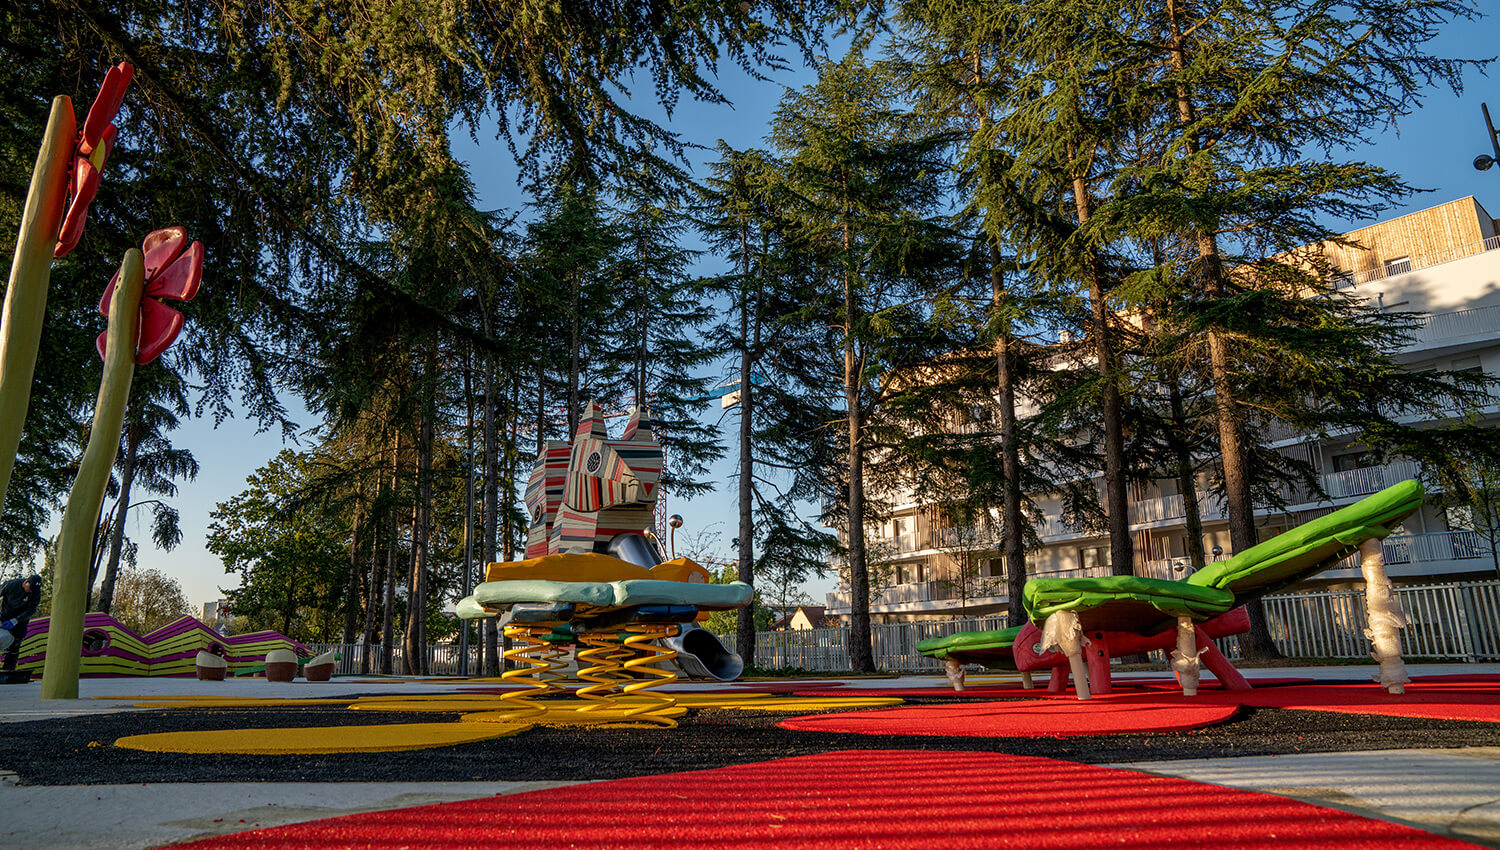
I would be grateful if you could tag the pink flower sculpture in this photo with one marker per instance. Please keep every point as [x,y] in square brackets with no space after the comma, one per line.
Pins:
[174,269]
[94,144]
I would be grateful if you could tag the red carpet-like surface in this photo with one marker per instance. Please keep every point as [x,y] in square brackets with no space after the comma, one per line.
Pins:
[1022,718]
[887,799]
[1439,701]
[1014,689]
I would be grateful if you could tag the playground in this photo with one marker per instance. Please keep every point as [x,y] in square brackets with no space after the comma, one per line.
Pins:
[618,718]
[1312,756]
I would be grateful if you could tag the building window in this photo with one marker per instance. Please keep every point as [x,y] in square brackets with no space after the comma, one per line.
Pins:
[1397,265]
[1343,279]
[1095,558]
[1352,461]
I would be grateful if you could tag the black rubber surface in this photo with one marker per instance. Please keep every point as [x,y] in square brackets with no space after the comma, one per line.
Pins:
[77,750]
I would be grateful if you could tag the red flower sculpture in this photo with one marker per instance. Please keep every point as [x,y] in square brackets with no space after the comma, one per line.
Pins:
[174,269]
[94,144]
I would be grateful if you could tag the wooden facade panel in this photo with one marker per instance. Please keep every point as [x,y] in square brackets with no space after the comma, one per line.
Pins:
[1441,229]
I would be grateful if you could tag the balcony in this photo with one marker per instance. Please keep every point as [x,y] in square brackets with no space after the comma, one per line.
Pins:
[1437,547]
[1438,327]
[1420,262]
[919,595]
[1371,479]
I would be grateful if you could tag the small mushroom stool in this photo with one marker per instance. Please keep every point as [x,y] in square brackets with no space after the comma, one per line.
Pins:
[320,668]
[211,668]
[281,665]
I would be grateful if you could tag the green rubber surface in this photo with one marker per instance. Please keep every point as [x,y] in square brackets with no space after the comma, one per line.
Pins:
[991,648]
[1124,603]
[1312,547]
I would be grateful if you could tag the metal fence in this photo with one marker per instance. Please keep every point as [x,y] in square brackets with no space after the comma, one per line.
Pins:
[1458,621]
[1452,621]
[442,658]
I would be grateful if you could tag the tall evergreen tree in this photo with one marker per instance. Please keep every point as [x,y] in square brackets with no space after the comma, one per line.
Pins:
[864,184]
[1243,94]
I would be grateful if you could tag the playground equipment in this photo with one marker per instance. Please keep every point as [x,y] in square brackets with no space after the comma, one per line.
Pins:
[110,649]
[140,329]
[63,184]
[1122,614]
[593,578]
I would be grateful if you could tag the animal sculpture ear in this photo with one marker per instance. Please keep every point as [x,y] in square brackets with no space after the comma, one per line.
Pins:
[592,424]
[639,430]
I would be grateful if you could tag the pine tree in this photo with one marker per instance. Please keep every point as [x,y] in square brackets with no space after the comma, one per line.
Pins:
[656,352]
[1241,95]
[864,185]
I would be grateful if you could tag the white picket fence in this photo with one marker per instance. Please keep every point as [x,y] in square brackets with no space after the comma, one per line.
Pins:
[1451,621]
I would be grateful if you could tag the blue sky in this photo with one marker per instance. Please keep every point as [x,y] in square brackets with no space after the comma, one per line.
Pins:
[1433,149]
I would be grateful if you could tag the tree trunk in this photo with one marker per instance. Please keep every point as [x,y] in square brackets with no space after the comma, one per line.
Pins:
[575,357]
[1117,506]
[291,602]
[352,596]
[1187,483]
[861,650]
[388,615]
[468,576]
[1013,543]
[745,617]
[1256,644]
[372,598]
[134,433]
[491,658]
[416,600]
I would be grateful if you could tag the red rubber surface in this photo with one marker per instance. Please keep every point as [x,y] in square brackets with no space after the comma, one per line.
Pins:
[932,692]
[867,799]
[1440,701]
[1022,718]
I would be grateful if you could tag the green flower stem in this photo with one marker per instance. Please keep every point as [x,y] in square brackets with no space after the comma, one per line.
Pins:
[76,536]
[26,296]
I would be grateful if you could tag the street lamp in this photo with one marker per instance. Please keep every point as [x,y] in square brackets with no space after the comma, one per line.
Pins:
[1484,160]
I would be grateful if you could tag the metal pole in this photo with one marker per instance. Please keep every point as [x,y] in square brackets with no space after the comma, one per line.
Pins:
[1490,126]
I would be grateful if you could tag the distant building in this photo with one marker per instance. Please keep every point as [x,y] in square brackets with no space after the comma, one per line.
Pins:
[1440,264]
[216,614]
[812,617]
[803,618]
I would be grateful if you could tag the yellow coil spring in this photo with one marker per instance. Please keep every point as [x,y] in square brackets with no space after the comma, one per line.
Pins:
[556,655]
[535,650]
[604,674]
[646,656]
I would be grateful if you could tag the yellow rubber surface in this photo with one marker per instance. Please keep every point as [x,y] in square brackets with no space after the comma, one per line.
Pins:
[749,701]
[321,739]
[234,702]
[569,716]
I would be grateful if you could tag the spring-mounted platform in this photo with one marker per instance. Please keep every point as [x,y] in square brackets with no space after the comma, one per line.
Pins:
[541,657]
[603,653]
[643,639]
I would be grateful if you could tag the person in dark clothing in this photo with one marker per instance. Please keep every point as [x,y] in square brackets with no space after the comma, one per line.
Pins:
[18,601]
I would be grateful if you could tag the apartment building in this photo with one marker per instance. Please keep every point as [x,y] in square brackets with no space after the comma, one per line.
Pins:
[1441,264]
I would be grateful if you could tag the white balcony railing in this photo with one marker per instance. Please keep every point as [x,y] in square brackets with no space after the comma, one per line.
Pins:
[913,593]
[1370,479]
[1430,548]
[1433,327]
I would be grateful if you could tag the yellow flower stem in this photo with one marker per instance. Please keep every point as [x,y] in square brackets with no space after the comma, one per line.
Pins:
[76,536]
[30,270]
